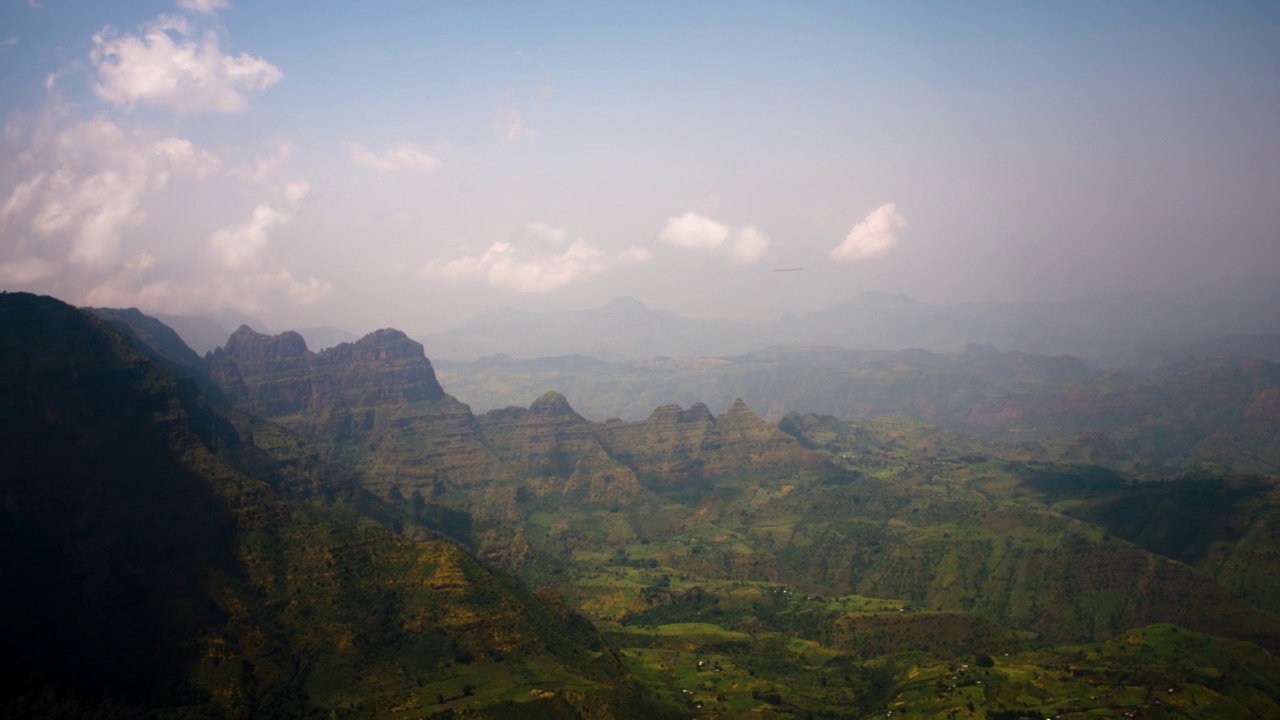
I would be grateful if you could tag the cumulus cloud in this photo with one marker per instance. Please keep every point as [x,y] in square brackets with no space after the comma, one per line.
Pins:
[748,245]
[241,245]
[84,187]
[122,290]
[296,192]
[871,238]
[76,221]
[694,231]
[691,231]
[264,167]
[168,65]
[251,293]
[539,258]
[401,156]
[204,7]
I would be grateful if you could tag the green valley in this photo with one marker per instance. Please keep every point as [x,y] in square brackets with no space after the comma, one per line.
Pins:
[300,533]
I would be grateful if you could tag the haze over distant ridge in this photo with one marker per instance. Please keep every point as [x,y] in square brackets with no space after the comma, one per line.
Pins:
[626,329]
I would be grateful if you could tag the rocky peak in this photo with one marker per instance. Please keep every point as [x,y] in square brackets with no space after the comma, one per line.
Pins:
[674,414]
[247,344]
[553,405]
[385,344]
[277,376]
[698,412]
[740,420]
[665,413]
[738,414]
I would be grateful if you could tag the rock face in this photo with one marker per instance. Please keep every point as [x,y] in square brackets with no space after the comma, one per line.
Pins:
[159,578]
[556,451]
[277,376]
[377,404]
[686,449]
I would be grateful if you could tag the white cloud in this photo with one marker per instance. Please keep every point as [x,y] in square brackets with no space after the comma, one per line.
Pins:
[871,238]
[748,245]
[76,221]
[691,231]
[635,255]
[401,156]
[539,258]
[180,153]
[694,231]
[204,7]
[249,293]
[303,292]
[121,290]
[166,65]
[510,125]
[85,185]
[296,192]
[51,80]
[8,42]
[27,270]
[263,168]
[240,246]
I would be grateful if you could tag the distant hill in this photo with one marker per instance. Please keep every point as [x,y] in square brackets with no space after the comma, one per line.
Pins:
[206,332]
[816,566]
[625,329]
[687,516]
[1223,410]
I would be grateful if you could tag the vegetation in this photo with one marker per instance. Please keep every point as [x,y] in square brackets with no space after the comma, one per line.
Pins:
[348,540]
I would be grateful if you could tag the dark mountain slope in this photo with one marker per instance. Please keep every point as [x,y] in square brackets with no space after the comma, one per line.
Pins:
[145,574]
[160,342]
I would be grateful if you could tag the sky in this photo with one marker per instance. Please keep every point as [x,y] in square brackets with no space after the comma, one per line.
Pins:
[411,164]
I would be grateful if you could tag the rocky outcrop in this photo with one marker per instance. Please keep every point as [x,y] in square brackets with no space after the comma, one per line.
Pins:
[157,580]
[684,449]
[277,376]
[376,402]
[556,451]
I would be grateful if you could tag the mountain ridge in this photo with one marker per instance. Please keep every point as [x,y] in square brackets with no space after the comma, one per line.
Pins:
[153,574]
[1093,327]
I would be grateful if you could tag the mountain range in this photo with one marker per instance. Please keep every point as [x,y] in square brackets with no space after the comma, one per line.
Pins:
[265,530]
[1090,328]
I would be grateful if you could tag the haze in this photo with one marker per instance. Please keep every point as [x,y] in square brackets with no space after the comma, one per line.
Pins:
[411,165]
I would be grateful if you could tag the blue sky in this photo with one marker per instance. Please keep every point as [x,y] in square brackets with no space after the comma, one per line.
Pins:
[411,164]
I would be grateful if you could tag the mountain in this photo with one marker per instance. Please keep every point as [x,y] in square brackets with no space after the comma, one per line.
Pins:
[817,566]
[159,561]
[742,475]
[1219,410]
[203,333]
[626,330]
[822,566]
